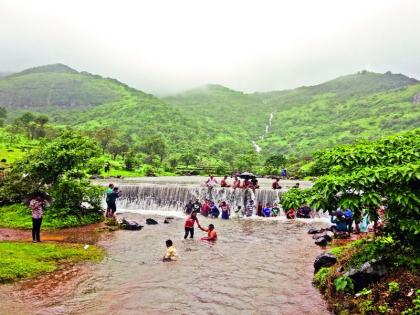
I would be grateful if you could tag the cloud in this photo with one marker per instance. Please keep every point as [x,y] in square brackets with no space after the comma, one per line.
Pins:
[166,46]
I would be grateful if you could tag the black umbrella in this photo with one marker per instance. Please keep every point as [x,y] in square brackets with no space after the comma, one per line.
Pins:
[247,175]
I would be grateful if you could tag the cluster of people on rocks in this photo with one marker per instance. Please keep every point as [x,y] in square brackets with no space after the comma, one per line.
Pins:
[251,183]
[348,221]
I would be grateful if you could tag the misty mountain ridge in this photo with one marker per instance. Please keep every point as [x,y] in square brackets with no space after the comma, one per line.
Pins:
[365,104]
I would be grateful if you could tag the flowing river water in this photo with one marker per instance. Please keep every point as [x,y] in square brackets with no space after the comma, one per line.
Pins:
[257,266]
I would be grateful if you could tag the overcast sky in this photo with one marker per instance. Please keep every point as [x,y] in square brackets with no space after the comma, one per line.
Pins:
[167,46]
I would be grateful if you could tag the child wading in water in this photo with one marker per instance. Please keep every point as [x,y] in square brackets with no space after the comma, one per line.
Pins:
[170,252]
[189,225]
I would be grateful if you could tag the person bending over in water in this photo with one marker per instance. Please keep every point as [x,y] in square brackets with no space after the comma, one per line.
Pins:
[211,233]
[170,252]
[189,225]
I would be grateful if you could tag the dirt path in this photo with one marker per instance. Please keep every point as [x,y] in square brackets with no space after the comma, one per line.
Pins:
[88,234]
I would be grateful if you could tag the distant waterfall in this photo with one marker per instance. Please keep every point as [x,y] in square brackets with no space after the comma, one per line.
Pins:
[267,129]
[174,197]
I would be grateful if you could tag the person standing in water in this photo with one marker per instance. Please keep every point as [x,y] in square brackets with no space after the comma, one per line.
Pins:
[108,207]
[236,183]
[211,233]
[250,208]
[225,210]
[211,183]
[37,204]
[111,200]
[188,209]
[189,225]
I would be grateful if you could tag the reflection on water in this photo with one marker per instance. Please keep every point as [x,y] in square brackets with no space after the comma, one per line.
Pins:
[255,267]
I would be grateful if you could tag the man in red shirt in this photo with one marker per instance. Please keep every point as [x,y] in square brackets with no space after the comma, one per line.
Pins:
[205,208]
[189,225]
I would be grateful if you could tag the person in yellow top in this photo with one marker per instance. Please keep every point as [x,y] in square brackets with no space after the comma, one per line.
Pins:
[170,252]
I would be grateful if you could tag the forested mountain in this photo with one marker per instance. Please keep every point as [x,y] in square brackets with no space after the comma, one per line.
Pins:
[216,123]
[305,119]
[91,102]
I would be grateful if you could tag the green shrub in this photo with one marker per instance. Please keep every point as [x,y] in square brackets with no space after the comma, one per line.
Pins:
[320,278]
[366,307]
[393,287]
[338,251]
[344,283]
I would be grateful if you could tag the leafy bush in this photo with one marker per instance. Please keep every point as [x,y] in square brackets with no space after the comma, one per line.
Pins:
[295,198]
[75,196]
[320,278]
[344,283]
[393,287]
[56,167]
[370,174]
[337,251]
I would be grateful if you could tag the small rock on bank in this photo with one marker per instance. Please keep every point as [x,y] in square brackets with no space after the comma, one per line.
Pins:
[324,260]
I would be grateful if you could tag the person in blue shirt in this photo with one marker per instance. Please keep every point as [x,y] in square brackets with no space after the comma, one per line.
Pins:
[340,223]
[267,211]
[214,211]
[348,215]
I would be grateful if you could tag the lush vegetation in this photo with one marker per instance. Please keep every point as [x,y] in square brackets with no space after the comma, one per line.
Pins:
[362,177]
[369,174]
[397,292]
[208,129]
[58,168]
[26,260]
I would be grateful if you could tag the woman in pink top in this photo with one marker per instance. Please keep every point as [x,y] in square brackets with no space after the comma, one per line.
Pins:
[36,205]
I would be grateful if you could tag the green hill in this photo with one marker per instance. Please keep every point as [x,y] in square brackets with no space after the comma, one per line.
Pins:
[90,101]
[305,119]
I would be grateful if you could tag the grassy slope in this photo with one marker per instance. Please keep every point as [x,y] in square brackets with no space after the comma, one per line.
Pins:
[19,216]
[25,260]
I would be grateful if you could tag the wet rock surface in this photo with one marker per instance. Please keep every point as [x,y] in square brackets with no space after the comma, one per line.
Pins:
[150,221]
[369,272]
[324,260]
[130,225]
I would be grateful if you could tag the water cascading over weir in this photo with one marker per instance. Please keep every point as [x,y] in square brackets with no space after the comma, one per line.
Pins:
[175,197]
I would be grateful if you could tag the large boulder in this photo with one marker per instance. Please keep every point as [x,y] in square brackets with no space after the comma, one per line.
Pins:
[130,225]
[324,260]
[369,272]
[151,221]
